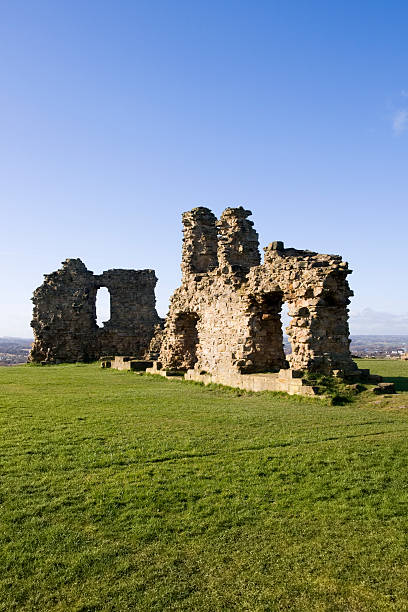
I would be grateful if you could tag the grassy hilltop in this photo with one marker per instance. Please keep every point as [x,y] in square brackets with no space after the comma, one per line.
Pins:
[127,492]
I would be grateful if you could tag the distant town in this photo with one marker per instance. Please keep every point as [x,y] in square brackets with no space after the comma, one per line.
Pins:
[14,351]
[379,347]
[372,346]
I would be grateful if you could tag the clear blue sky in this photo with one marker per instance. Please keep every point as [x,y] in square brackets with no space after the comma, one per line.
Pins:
[117,116]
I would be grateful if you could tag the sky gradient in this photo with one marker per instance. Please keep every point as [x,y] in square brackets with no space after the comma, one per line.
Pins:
[116,117]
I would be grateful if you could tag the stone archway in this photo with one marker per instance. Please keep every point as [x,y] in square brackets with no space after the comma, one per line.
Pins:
[266,338]
[187,339]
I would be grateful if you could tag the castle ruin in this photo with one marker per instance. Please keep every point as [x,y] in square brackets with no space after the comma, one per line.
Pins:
[224,323]
[64,317]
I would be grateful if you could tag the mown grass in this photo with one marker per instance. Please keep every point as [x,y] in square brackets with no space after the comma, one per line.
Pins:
[127,492]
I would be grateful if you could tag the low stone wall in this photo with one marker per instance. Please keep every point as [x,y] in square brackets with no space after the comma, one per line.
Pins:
[166,373]
[287,381]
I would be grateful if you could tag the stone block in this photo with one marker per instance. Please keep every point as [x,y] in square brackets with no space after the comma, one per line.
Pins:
[139,365]
[384,388]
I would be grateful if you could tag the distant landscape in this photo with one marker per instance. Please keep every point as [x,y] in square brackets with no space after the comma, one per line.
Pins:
[374,346]
[15,350]
[378,346]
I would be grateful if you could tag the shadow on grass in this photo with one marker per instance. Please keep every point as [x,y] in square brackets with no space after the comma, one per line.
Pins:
[401,382]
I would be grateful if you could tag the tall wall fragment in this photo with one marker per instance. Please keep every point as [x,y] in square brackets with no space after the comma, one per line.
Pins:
[238,245]
[64,315]
[199,242]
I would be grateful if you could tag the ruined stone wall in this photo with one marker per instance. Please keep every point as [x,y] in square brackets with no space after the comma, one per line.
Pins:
[317,293]
[227,317]
[133,313]
[64,315]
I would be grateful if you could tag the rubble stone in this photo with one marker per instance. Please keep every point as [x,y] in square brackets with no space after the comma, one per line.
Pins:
[384,388]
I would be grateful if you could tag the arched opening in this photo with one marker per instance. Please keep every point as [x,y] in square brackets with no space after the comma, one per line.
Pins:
[267,354]
[103,306]
[187,339]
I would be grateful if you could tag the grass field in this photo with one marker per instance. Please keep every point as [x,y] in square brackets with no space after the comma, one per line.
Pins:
[126,492]
[390,370]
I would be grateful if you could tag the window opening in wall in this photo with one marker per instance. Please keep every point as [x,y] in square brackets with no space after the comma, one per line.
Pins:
[286,320]
[103,306]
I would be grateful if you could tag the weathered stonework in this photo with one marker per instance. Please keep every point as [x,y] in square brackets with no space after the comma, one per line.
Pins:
[224,320]
[64,317]
[224,323]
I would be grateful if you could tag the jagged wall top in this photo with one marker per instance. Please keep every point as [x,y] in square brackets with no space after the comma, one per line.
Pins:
[200,241]
[230,243]
[238,244]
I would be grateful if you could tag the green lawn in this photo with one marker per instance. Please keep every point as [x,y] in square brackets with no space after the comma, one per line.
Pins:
[126,492]
[396,371]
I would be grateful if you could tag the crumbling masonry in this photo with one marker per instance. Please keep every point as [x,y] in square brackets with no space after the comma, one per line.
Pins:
[224,321]
[64,317]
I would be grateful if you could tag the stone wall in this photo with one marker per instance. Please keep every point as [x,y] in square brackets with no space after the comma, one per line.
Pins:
[226,316]
[64,316]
